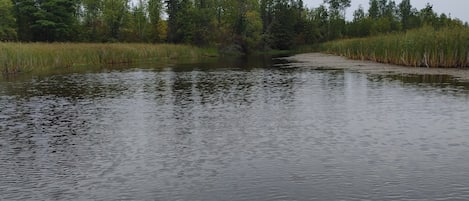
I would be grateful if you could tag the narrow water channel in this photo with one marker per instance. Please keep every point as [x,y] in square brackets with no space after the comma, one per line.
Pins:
[234,130]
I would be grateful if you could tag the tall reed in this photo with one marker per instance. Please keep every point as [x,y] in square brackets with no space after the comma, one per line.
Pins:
[16,57]
[424,47]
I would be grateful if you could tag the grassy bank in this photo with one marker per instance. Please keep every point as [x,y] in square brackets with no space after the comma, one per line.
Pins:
[31,57]
[422,47]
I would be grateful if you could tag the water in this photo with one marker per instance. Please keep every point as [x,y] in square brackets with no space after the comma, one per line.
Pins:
[234,131]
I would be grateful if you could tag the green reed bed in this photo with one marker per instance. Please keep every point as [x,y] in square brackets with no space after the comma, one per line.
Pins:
[424,47]
[27,57]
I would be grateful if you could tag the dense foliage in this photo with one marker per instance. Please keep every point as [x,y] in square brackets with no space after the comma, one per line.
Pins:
[37,57]
[241,25]
[7,21]
[425,47]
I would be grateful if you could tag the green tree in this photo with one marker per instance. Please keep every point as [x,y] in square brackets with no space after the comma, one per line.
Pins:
[92,24]
[283,26]
[7,21]
[155,8]
[361,24]
[185,22]
[47,20]
[285,23]
[140,21]
[180,20]
[405,12]
[373,11]
[382,7]
[320,22]
[300,13]
[427,15]
[25,11]
[204,19]
[337,23]
[55,20]
[391,10]
[244,19]
[338,6]
[267,15]
[253,32]
[383,17]
[134,28]
[114,14]
[266,12]
[359,14]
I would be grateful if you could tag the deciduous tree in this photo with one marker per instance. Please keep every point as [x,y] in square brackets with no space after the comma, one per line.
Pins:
[7,21]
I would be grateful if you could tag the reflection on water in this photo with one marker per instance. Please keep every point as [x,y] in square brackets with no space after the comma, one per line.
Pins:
[235,130]
[433,81]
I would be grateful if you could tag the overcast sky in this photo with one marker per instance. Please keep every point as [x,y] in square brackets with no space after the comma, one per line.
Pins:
[457,8]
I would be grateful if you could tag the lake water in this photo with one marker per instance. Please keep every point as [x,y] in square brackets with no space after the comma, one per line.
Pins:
[250,129]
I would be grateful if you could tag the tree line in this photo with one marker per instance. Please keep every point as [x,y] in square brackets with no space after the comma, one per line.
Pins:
[244,25]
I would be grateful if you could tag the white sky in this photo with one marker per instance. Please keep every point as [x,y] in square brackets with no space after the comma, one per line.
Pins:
[457,8]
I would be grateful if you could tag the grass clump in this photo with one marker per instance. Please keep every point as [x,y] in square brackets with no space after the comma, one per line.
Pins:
[29,57]
[425,47]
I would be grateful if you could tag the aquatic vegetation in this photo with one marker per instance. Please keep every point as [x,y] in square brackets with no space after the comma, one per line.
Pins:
[27,57]
[425,47]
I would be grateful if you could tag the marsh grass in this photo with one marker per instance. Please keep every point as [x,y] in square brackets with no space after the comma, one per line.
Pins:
[31,57]
[425,47]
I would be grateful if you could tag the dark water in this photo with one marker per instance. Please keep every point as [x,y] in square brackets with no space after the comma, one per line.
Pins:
[234,130]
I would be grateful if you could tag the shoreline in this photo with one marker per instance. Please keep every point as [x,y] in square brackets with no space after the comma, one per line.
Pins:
[18,58]
[328,61]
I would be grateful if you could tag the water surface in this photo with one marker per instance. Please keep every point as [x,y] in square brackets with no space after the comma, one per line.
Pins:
[234,130]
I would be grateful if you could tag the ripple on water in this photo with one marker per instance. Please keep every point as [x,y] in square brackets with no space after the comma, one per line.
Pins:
[232,134]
